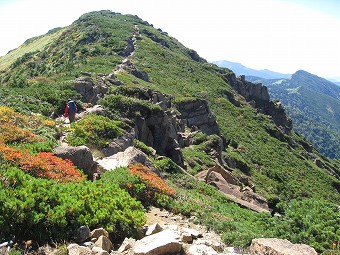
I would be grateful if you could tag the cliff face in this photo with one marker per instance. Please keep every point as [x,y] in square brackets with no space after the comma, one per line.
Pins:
[259,96]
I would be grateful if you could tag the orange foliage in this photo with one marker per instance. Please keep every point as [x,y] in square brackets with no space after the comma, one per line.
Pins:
[11,124]
[44,165]
[152,179]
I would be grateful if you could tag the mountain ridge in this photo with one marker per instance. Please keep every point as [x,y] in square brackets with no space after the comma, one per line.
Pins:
[142,77]
[312,102]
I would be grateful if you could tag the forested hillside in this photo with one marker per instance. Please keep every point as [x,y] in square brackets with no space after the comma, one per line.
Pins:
[313,104]
[185,114]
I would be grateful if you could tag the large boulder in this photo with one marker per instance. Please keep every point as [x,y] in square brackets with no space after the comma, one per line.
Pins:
[274,246]
[165,242]
[130,156]
[80,156]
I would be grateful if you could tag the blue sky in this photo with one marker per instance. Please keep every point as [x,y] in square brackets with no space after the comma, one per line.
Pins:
[280,35]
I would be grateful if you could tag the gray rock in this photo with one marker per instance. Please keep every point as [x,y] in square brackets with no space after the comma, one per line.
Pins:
[197,114]
[82,234]
[104,243]
[153,229]
[164,242]
[80,156]
[120,144]
[274,246]
[130,156]
[200,249]
[96,233]
[90,92]
[75,249]
[127,244]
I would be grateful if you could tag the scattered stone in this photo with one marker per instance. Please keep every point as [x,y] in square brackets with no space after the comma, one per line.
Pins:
[186,238]
[164,242]
[82,234]
[99,251]
[153,229]
[104,243]
[200,249]
[96,233]
[275,246]
[127,244]
[193,232]
[75,249]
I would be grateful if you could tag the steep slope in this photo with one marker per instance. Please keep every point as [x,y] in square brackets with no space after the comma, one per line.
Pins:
[240,69]
[143,76]
[313,103]
[98,42]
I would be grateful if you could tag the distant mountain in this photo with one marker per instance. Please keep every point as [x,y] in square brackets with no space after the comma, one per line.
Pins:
[313,103]
[240,69]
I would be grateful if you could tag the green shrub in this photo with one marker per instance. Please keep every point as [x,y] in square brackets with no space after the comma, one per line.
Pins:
[310,221]
[95,131]
[167,165]
[142,184]
[143,147]
[123,106]
[43,210]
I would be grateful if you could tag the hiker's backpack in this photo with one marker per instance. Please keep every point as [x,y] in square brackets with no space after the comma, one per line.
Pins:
[72,107]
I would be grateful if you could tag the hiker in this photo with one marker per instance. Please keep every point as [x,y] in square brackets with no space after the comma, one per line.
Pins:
[71,110]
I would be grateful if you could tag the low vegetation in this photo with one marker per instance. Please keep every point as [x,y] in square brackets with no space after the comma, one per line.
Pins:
[49,198]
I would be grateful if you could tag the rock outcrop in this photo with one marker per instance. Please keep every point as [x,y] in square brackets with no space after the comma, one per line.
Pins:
[274,246]
[130,156]
[90,91]
[228,185]
[258,94]
[161,132]
[80,156]
[197,114]
[120,144]
[249,90]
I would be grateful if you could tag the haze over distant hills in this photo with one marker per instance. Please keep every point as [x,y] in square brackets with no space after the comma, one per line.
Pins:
[312,102]
[240,69]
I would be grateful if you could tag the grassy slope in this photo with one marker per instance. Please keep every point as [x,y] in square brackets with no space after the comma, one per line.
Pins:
[277,168]
[94,44]
[34,44]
